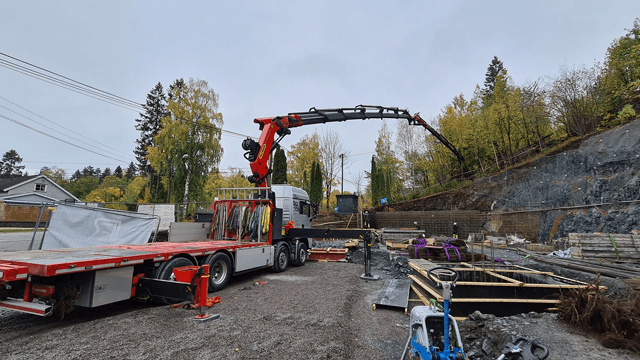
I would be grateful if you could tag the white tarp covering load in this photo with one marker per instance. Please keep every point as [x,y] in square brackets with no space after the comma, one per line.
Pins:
[76,226]
[165,211]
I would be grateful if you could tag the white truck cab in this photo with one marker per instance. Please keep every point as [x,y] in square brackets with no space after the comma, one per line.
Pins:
[295,205]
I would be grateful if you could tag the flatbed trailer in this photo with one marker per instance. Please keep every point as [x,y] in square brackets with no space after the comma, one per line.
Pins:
[34,281]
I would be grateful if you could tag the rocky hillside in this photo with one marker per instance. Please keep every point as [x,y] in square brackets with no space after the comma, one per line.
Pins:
[592,184]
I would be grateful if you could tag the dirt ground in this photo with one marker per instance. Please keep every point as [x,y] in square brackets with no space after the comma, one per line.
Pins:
[318,311]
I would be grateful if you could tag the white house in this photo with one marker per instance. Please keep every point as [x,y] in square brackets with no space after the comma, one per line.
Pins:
[33,189]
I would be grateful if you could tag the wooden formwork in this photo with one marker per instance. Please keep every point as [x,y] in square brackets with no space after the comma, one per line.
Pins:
[495,289]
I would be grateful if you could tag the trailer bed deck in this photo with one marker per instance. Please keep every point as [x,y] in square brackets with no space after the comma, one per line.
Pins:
[61,261]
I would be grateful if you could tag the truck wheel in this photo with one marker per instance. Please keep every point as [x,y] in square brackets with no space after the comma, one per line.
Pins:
[219,271]
[281,258]
[302,255]
[165,272]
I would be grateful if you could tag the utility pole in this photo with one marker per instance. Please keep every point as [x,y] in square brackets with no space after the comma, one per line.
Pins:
[342,181]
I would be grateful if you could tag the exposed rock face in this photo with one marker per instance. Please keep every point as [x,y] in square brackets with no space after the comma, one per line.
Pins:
[566,187]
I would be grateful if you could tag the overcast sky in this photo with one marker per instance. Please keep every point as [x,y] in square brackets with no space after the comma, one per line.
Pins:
[269,58]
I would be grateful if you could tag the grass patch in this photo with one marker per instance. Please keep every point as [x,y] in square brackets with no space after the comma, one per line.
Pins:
[17,230]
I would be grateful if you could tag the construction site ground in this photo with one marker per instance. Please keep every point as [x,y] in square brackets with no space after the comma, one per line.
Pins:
[322,310]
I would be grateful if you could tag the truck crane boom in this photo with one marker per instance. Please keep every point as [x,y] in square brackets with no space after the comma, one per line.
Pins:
[258,152]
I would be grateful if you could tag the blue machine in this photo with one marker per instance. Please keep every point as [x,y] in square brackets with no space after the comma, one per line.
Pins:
[428,338]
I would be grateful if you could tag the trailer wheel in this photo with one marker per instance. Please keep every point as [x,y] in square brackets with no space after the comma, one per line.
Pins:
[281,258]
[302,255]
[165,272]
[219,271]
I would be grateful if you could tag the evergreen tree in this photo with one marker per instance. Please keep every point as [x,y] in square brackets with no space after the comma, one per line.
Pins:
[174,89]
[9,166]
[132,171]
[105,173]
[279,167]
[118,172]
[495,68]
[305,182]
[149,124]
[87,171]
[315,193]
[76,175]
[375,183]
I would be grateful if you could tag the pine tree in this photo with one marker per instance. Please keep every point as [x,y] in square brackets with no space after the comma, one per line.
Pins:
[87,171]
[9,164]
[279,167]
[305,182]
[315,195]
[105,173]
[132,171]
[375,183]
[495,68]
[118,172]
[76,175]
[149,124]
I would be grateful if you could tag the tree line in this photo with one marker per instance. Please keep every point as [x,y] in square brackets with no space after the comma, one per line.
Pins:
[503,123]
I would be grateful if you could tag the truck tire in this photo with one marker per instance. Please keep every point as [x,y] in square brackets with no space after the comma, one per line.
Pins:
[165,272]
[219,270]
[303,255]
[281,258]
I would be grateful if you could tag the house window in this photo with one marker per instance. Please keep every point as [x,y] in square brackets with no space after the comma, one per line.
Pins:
[41,187]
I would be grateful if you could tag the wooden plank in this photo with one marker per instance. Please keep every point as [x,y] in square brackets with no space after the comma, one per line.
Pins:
[546,286]
[422,271]
[531,301]
[506,278]
[426,287]
[420,295]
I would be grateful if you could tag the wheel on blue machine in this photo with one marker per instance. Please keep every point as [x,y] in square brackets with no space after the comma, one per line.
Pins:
[220,271]
[165,272]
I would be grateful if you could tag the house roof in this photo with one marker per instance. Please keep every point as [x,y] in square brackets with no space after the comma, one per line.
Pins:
[11,181]
[19,197]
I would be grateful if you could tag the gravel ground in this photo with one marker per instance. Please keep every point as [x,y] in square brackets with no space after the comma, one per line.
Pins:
[318,311]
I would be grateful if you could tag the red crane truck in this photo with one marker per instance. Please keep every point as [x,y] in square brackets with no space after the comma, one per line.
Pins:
[248,232]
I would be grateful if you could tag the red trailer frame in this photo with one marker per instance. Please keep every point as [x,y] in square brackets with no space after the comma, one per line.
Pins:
[29,279]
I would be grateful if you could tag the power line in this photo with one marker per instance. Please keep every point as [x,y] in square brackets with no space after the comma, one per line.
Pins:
[64,141]
[86,143]
[88,88]
[75,91]
[82,88]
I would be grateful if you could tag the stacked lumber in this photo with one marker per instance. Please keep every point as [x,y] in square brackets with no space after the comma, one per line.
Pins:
[607,246]
[398,244]
[452,250]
